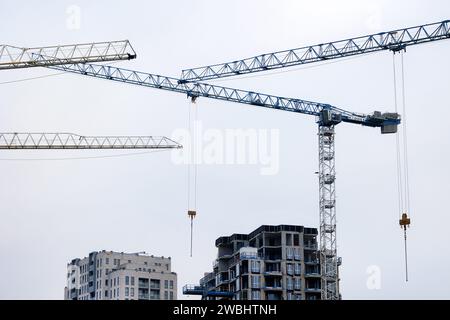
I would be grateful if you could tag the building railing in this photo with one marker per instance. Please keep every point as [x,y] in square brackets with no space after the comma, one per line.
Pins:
[275,287]
[248,255]
[310,246]
[312,289]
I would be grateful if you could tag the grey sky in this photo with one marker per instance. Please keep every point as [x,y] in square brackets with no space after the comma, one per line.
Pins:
[53,211]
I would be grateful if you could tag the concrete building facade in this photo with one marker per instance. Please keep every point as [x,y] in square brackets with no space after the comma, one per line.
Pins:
[271,263]
[108,275]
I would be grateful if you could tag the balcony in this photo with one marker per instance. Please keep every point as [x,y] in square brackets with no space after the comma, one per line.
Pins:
[273,273]
[193,289]
[312,275]
[310,246]
[312,262]
[248,256]
[270,258]
[273,288]
[143,296]
[314,290]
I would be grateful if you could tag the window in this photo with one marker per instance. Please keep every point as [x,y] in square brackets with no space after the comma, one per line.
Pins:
[289,253]
[154,284]
[290,269]
[107,271]
[127,280]
[118,280]
[296,239]
[154,295]
[255,281]
[127,291]
[114,293]
[255,266]
[171,285]
[297,284]
[171,295]
[288,239]
[298,268]
[106,282]
[256,295]
[166,295]
[107,261]
[132,292]
[167,267]
[106,293]
[166,284]
[297,254]
[132,281]
[114,282]
[289,284]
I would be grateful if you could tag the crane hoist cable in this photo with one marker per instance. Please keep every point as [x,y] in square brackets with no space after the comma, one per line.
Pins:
[402,168]
[192,168]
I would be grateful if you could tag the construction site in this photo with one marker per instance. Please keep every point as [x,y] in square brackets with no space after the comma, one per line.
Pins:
[302,149]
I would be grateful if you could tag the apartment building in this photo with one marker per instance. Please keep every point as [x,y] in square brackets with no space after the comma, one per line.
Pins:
[270,263]
[108,275]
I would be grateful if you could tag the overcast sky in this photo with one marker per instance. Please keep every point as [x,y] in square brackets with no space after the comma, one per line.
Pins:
[53,211]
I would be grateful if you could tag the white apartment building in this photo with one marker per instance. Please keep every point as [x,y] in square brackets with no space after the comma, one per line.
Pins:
[108,275]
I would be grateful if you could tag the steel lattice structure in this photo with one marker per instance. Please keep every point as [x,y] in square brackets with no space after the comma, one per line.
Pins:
[33,141]
[14,57]
[392,40]
[195,90]
[327,210]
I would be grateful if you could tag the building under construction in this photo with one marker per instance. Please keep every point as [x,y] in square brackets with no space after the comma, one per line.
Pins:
[271,263]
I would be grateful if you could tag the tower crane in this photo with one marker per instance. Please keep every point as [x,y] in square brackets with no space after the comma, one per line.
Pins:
[12,57]
[395,40]
[67,141]
[327,116]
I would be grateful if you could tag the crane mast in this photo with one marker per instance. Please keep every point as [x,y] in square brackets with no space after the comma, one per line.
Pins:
[12,57]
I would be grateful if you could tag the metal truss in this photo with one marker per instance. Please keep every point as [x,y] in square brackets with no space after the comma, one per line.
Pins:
[14,57]
[392,40]
[195,90]
[327,207]
[14,141]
